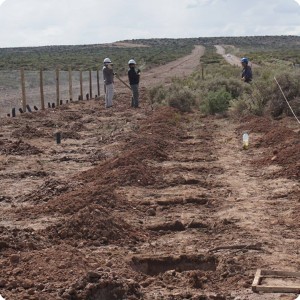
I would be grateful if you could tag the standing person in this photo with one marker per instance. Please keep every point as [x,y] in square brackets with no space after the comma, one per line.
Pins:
[134,80]
[108,77]
[247,72]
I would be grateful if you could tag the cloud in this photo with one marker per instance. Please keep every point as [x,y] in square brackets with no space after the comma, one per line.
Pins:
[35,22]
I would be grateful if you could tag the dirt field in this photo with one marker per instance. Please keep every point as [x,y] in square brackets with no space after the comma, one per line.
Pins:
[143,204]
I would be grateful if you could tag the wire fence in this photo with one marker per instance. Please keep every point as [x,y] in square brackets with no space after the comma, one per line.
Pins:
[12,97]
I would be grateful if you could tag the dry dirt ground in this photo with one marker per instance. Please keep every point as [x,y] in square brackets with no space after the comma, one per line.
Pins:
[145,204]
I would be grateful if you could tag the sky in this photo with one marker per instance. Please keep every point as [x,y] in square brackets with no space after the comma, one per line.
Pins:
[73,22]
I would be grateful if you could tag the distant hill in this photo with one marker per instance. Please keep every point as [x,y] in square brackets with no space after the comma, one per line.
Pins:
[159,52]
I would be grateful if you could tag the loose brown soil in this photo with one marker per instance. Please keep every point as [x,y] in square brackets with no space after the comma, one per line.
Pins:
[145,204]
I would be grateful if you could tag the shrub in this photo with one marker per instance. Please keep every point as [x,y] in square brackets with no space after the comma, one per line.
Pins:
[238,108]
[256,102]
[290,85]
[216,102]
[157,94]
[181,98]
[253,102]
[295,105]
[233,86]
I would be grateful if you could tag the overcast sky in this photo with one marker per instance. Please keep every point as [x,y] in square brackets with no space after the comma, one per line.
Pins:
[70,22]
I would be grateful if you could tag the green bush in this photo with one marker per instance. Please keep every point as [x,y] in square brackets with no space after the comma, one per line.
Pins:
[181,98]
[295,105]
[290,85]
[264,96]
[232,86]
[256,102]
[238,108]
[216,102]
[252,102]
[157,94]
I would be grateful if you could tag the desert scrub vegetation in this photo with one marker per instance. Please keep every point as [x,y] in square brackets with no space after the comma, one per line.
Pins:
[211,90]
[83,57]
[266,56]
[176,95]
[158,51]
[214,88]
[181,98]
[219,90]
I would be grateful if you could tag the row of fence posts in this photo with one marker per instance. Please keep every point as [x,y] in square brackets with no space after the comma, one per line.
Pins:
[26,107]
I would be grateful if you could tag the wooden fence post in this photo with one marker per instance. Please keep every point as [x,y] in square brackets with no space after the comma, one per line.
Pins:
[57,87]
[81,87]
[70,84]
[98,82]
[23,90]
[91,88]
[42,89]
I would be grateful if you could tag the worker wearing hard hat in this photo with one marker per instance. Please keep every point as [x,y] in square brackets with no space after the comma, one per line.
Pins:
[247,72]
[108,77]
[134,80]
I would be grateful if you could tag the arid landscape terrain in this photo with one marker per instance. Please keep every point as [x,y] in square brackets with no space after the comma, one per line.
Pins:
[146,203]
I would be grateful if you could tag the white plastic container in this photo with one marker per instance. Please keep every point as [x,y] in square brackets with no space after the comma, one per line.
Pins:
[245,141]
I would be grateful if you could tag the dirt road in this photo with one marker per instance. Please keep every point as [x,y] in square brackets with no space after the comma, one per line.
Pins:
[178,68]
[142,204]
[232,59]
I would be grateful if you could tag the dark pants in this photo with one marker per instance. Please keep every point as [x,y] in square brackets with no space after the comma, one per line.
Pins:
[135,95]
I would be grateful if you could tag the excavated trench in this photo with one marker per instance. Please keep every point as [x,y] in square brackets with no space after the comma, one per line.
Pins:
[160,264]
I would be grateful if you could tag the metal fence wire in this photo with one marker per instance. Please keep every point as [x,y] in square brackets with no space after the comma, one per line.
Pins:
[11,88]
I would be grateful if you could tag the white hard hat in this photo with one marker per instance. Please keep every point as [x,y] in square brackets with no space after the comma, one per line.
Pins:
[132,62]
[107,60]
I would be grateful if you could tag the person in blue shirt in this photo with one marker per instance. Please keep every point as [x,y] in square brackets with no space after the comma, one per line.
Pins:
[247,71]
[134,80]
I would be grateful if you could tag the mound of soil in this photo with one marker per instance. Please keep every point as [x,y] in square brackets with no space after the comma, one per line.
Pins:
[256,124]
[46,191]
[76,126]
[103,285]
[29,132]
[280,145]
[150,143]
[70,116]
[18,148]
[125,170]
[73,201]
[94,225]
[277,136]
[19,239]
[289,158]
[65,134]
